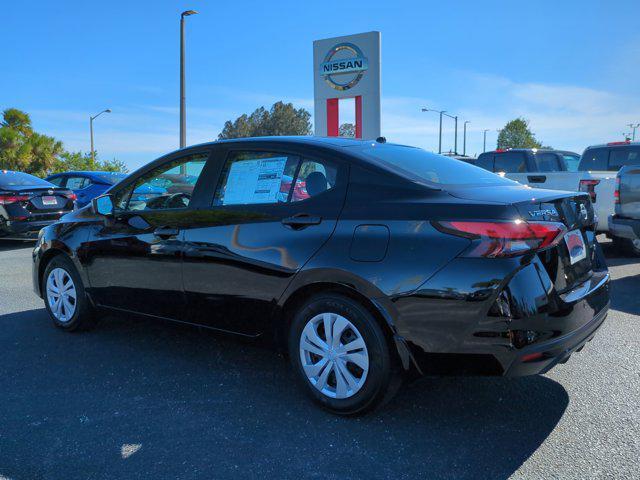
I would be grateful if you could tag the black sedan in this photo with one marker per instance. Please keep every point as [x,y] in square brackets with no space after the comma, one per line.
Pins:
[28,203]
[368,262]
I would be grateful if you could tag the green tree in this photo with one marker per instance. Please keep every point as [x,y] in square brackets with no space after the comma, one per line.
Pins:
[281,119]
[516,134]
[82,161]
[347,130]
[23,149]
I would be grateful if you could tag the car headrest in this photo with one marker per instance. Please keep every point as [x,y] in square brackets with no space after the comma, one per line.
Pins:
[316,183]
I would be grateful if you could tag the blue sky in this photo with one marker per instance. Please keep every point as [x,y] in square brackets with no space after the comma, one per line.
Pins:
[571,67]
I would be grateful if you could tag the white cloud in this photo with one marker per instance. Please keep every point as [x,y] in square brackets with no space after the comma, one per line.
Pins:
[564,116]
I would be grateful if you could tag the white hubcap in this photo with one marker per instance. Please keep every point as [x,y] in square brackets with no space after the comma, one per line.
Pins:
[333,355]
[61,294]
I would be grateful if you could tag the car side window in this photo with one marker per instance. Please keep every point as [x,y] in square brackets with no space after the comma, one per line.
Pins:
[547,162]
[256,177]
[594,159]
[314,178]
[571,162]
[510,162]
[77,183]
[169,186]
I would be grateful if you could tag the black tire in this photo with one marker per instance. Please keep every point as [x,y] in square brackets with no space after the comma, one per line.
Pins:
[383,377]
[84,316]
[626,246]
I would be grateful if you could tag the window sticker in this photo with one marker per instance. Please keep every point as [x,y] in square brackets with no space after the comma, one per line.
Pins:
[255,181]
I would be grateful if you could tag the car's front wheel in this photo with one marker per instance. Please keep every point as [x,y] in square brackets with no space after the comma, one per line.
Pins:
[64,296]
[342,355]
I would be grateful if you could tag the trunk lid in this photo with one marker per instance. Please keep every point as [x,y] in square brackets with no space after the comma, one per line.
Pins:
[43,200]
[570,262]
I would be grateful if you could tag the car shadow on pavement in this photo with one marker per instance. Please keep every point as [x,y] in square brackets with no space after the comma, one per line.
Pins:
[8,245]
[624,294]
[142,399]
[616,258]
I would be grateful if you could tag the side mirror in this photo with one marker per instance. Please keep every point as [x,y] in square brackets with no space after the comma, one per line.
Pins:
[103,205]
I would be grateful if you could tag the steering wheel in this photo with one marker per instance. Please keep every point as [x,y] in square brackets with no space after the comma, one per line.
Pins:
[175,197]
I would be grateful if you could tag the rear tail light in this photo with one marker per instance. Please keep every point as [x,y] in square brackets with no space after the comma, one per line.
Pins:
[6,199]
[589,186]
[71,196]
[503,238]
[616,193]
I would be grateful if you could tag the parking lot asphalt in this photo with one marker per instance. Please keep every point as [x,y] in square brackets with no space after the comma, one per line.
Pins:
[145,399]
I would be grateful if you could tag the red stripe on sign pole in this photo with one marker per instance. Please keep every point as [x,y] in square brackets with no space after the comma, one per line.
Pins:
[332,117]
[359,116]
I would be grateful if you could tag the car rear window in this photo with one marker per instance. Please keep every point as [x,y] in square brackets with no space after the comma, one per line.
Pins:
[594,159]
[623,156]
[419,165]
[111,178]
[19,179]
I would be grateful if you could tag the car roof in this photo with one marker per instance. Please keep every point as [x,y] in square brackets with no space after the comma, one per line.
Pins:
[334,143]
[614,144]
[532,150]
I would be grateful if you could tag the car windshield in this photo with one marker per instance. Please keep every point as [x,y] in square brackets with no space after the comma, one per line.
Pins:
[19,179]
[422,166]
[111,177]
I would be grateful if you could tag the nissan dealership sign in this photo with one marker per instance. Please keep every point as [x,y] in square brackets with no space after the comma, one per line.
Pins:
[347,67]
[342,60]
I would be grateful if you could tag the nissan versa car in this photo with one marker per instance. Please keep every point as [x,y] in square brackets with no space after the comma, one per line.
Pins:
[28,203]
[375,262]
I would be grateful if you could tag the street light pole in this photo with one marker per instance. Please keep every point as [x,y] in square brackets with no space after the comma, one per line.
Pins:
[441,112]
[91,119]
[455,140]
[440,134]
[183,115]
[633,128]
[455,143]
[464,139]
[484,142]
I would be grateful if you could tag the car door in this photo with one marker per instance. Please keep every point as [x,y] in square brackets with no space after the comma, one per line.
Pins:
[271,210]
[134,260]
[549,172]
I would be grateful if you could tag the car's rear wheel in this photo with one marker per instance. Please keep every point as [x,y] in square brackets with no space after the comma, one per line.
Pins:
[65,297]
[342,355]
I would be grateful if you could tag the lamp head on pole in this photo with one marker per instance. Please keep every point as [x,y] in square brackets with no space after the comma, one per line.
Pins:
[187,13]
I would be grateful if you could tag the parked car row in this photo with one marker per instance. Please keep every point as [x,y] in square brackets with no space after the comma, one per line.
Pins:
[595,172]
[29,203]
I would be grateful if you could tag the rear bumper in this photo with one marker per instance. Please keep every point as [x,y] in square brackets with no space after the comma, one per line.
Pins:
[542,358]
[624,227]
[509,325]
[24,229]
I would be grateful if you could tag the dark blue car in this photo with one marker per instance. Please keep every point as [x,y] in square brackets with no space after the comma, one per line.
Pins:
[88,184]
